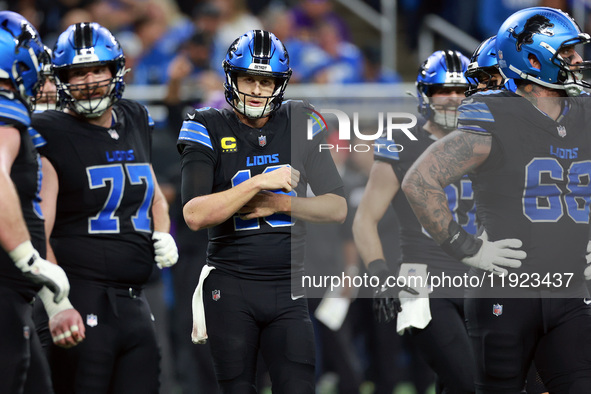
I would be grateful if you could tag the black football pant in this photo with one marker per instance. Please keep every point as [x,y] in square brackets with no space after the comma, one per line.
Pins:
[120,354]
[23,366]
[445,346]
[244,316]
[556,333]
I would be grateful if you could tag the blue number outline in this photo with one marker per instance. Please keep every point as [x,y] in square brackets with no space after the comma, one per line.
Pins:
[272,220]
[569,199]
[97,177]
[137,173]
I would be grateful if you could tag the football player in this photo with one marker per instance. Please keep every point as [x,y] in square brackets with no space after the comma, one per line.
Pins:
[244,176]
[46,97]
[106,218]
[483,71]
[23,271]
[441,338]
[528,154]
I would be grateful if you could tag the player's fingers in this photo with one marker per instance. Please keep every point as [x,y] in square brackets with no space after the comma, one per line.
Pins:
[77,334]
[499,271]
[512,254]
[507,262]
[509,243]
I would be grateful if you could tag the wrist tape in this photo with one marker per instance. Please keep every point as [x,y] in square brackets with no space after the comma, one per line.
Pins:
[460,244]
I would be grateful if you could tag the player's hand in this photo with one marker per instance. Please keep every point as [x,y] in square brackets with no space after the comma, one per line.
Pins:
[67,328]
[497,256]
[263,204]
[386,303]
[587,271]
[284,178]
[41,271]
[165,250]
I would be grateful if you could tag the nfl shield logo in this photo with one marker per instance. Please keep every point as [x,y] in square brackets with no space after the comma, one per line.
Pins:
[262,140]
[91,320]
[561,131]
[497,309]
[216,295]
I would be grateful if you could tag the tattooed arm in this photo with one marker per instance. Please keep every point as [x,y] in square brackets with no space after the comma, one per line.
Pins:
[444,162]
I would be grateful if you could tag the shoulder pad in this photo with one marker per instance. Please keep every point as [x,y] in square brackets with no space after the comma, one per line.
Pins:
[13,111]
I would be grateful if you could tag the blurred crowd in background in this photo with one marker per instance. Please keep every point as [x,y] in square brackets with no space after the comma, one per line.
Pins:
[179,45]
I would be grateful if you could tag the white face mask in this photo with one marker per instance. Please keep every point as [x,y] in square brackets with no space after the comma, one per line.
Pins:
[253,112]
[446,116]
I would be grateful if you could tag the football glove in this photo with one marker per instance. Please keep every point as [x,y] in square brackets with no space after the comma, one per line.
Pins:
[165,250]
[386,303]
[587,271]
[480,253]
[41,271]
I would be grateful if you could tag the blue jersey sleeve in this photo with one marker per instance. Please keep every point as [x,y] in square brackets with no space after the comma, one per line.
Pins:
[13,112]
[475,116]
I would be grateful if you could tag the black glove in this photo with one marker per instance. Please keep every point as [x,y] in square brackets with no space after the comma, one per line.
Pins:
[386,303]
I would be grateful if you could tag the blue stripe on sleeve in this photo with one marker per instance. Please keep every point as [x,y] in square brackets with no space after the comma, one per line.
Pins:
[380,149]
[475,112]
[14,110]
[37,138]
[196,132]
[473,128]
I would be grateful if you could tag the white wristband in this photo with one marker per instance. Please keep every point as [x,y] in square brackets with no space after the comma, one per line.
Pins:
[22,253]
[51,307]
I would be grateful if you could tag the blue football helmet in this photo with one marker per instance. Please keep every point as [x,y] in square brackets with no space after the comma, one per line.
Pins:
[88,45]
[257,52]
[484,67]
[442,69]
[21,56]
[542,32]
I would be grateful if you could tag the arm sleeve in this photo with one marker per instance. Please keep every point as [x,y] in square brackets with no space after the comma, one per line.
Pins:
[197,173]
[323,176]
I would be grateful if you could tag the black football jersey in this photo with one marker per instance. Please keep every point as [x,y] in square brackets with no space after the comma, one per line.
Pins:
[535,184]
[416,244]
[26,175]
[103,223]
[229,152]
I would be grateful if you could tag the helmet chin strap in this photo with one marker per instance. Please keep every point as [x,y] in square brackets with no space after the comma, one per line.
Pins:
[571,87]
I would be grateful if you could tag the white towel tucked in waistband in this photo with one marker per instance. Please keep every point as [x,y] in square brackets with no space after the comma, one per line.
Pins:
[199,333]
[415,308]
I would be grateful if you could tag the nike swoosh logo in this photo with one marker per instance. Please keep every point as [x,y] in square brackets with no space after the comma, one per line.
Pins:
[296,297]
[587,301]
[191,116]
